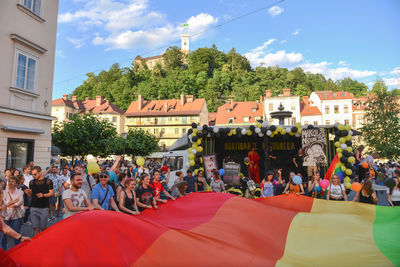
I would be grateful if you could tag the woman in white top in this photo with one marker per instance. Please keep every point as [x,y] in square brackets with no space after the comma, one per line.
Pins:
[394,194]
[336,190]
[13,200]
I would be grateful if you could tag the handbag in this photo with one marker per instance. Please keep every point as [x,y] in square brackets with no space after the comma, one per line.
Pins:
[18,211]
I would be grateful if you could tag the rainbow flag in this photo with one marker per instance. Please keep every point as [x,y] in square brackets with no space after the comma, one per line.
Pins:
[216,229]
[335,168]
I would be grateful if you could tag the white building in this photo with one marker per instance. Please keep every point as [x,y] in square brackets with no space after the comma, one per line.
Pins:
[289,102]
[27,39]
[336,107]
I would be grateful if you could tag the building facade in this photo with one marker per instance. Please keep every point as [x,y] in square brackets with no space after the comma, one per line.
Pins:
[166,119]
[359,105]
[28,32]
[288,101]
[310,115]
[239,113]
[336,107]
[63,108]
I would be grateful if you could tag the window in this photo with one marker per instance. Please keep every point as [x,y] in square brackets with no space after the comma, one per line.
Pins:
[19,152]
[343,94]
[176,118]
[346,122]
[334,95]
[231,120]
[326,109]
[293,121]
[315,123]
[360,119]
[336,109]
[271,107]
[327,122]
[228,110]
[155,131]
[162,119]
[32,5]
[246,119]
[293,106]
[174,163]
[176,130]
[305,122]
[184,130]
[114,119]
[169,118]
[254,109]
[148,119]
[184,120]
[346,108]
[26,72]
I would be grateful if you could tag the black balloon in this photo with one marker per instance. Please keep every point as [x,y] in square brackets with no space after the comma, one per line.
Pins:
[239,135]
[194,125]
[272,128]
[349,143]
[238,130]
[389,182]
[198,154]
[348,165]
[205,127]
[337,133]
[195,138]
[190,131]
[310,126]
[345,133]
[197,160]
[205,132]
[337,138]
[343,159]
[264,130]
[294,129]
[252,127]
[210,129]
[346,153]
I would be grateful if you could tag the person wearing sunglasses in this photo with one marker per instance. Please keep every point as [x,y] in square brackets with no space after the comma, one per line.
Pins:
[103,194]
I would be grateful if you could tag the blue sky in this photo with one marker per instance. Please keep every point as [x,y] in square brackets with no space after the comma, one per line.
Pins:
[339,38]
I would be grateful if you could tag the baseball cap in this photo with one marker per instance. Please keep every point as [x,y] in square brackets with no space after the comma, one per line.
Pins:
[105,173]
[164,168]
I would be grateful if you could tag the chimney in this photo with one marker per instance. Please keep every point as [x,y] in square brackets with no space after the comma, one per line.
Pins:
[166,106]
[189,98]
[268,93]
[231,103]
[286,91]
[74,98]
[140,102]
[261,99]
[65,97]
[182,99]
[99,100]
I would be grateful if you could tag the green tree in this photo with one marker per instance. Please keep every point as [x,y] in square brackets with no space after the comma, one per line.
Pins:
[83,135]
[382,129]
[173,58]
[138,143]
[353,86]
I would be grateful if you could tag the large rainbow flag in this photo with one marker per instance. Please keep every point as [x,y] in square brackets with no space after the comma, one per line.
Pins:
[211,229]
[335,168]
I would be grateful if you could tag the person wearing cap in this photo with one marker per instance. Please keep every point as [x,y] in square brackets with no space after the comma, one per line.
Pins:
[103,194]
[191,182]
[164,179]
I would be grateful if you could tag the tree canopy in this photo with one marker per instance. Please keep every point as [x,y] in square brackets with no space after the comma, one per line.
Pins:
[381,131]
[208,73]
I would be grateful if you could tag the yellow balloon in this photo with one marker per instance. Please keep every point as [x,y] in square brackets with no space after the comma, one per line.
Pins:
[341,127]
[339,150]
[348,137]
[340,155]
[198,142]
[258,125]
[191,156]
[292,133]
[272,135]
[194,146]
[140,161]
[348,185]
[279,128]
[193,134]
[351,159]
[234,132]
[201,160]
[189,150]
[249,132]
[347,127]
[275,132]
[350,149]
[230,134]
[346,179]
[93,167]
[195,131]
[283,132]
[201,169]
[196,171]
[199,149]
[192,163]
[298,124]
[299,130]
[342,140]
[343,168]
[349,171]
[337,144]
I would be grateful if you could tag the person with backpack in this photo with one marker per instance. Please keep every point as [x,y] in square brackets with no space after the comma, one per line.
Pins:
[103,194]
[159,189]
[88,181]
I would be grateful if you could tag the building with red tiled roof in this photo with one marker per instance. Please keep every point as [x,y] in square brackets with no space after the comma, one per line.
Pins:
[63,109]
[239,113]
[359,105]
[168,119]
[336,107]
[309,114]
[212,117]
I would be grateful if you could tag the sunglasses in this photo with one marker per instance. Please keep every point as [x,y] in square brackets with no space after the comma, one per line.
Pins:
[103,176]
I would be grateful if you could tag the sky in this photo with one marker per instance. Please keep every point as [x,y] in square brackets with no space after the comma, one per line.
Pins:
[359,39]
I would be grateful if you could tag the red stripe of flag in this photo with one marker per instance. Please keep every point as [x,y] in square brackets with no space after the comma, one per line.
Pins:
[332,167]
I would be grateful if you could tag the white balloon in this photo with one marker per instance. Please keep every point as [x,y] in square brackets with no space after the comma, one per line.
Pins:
[209,135]
[194,151]
[190,138]
[288,129]
[264,124]
[243,131]
[215,130]
[297,134]
[260,134]
[343,146]
[200,128]
[257,130]
[269,132]
[351,133]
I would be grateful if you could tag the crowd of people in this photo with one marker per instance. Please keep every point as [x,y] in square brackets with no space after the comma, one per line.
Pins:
[37,197]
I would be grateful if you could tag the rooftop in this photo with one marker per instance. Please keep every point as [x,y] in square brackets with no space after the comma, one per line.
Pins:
[241,112]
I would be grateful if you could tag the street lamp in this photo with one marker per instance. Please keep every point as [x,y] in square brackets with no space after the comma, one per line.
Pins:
[124,137]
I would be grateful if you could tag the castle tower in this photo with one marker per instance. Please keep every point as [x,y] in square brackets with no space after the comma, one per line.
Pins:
[185,43]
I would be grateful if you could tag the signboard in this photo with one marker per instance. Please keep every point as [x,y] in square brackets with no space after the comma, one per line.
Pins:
[232,171]
[314,147]
[210,163]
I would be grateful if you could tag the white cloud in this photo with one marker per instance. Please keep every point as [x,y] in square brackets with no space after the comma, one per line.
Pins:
[343,63]
[280,58]
[296,32]
[264,46]
[392,82]
[124,24]
[275,11]
[396,71]
[78,43]
[156,36]
[339,73]
[283,41]
[59,53]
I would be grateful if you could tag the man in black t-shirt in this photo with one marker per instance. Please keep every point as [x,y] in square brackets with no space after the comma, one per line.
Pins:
[40,189]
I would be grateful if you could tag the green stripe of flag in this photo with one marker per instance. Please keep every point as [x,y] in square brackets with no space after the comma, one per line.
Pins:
[185,25]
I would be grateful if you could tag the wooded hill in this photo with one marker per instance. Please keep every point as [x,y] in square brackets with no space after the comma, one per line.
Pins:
[205,73]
